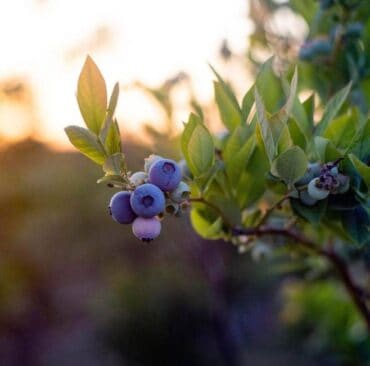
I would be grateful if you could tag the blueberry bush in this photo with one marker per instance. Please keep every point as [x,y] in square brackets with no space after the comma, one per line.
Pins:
[291,173]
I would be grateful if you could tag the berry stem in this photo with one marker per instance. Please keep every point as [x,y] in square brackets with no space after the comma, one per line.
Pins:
[336,261]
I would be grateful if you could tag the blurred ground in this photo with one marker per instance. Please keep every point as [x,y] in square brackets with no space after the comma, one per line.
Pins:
[77,289]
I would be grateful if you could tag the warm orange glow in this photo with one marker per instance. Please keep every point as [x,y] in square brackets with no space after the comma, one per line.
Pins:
[44,43]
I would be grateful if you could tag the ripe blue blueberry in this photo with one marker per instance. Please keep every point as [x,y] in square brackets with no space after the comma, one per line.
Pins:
[165,174]
[147,200]
[146,229]
[316,191]
[120,208]
[313,48]
[313,170]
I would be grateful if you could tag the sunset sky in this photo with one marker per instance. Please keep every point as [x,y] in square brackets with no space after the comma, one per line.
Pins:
[45,43]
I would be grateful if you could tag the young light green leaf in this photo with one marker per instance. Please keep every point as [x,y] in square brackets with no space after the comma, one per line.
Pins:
[342,130]
[325,149]
[92,96]
[247,103]
[297,135]
[113,140]
[87,143]
[332,108]
[115,164]
[290,165]
[252,183]
[205,226]
[235,142]
[288,107]
[226,88]
[230,114]
[197,146]
[362,168]
[309,109]
[236,166]
[110,112]
[285,140]
[269,86]
[264,127]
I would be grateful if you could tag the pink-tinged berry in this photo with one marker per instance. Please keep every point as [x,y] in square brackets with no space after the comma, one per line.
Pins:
[146,229]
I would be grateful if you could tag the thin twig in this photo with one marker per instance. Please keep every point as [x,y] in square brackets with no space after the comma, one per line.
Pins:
[306,243]
[336,261]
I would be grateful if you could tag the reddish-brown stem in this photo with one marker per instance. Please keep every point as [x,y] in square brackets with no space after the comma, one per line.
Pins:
[336,261]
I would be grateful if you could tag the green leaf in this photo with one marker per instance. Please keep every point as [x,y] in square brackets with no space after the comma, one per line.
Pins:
[205,225]
[197,146]
[110,112]
[313,214]
[247,103]
[341,131]
[269,86]
[332,108]
[229,113]
[362,168]
[325,150]
[87,143]
[309,108]
[113,100]
[362,145]
[264,126]
[226,88]
[288,107]
[297,135]
[285,140]
[236,140]
[115,164]
[236,166]
[92,96]
[252,184]
[228,206]
[290,165]
[113,139]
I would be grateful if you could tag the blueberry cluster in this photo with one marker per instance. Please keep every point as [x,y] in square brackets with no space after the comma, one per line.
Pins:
[315,48]
[157,190]
[321,180]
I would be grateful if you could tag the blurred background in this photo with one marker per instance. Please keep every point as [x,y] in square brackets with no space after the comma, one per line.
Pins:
[75,287]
